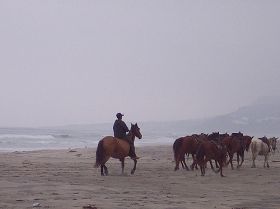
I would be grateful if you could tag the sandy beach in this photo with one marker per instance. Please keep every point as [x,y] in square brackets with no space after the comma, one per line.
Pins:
[67,179]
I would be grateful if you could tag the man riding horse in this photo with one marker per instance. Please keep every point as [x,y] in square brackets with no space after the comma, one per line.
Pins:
[120,129]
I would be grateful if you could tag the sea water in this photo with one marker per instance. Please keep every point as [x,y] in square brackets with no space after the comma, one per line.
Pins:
[28,139]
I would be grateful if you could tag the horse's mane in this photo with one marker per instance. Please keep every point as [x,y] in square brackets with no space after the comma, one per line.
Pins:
[239,134]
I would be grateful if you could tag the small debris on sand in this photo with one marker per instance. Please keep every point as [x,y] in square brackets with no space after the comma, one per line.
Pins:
[89,207]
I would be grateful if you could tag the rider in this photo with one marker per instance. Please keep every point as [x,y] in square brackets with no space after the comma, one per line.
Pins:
[120,129]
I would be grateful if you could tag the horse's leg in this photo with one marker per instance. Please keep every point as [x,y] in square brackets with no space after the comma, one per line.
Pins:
[177,162]
[212,167]
[216,164]
[185,164]
[177,165]
[253,159]
[237,160]
[266,161]
[204,166]
[228,153]
[202,169]
[194,163]
[106,170]
[221,168]
[102,173]
[182,164]
[122,161]
[134,168]
[230,160]
[242,159]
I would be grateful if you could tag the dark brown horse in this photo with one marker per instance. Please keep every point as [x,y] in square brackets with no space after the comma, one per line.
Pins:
[185,145]
[236,143]
[246,141]
[208,150]
[217,138]
[113,147]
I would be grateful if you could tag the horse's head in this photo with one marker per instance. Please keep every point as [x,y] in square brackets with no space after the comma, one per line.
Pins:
[202,137]
[214,136]
[273,142]
[135,130]
[247,140]
[222,136]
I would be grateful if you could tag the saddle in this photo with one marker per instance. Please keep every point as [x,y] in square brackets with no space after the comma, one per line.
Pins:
[265,140]
[125,139]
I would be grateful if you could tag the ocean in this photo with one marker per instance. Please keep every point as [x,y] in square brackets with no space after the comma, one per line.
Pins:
[75,136]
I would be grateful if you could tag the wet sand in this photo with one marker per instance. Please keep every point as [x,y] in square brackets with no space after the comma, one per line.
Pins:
[66,179]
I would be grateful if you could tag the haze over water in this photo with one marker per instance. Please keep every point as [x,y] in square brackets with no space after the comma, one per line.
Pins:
[69,62]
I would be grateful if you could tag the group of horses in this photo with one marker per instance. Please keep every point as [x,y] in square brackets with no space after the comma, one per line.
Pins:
[218,147]
[203,148]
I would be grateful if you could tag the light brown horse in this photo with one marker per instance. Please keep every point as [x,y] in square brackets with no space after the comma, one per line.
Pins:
[186,145]
[113,147]
[182,146]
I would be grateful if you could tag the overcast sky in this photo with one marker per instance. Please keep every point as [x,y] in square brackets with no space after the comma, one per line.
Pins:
[76,62]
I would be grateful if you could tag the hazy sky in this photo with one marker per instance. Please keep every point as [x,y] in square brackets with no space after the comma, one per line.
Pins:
[71,62]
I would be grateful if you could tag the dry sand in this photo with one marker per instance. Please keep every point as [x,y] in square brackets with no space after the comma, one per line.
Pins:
[65,180]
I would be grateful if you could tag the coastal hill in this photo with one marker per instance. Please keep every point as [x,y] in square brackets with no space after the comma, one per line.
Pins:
[259,119]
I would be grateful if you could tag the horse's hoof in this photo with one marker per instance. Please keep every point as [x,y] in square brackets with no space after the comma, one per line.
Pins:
[132,172]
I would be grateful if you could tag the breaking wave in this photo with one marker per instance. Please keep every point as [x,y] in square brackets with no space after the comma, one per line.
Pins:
[20,136]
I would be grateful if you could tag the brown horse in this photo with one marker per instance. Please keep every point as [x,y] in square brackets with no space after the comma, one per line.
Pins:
[246,141]
[113,147]
[234,144]
[217,138]
[237,143]
[208,150]
[185,145]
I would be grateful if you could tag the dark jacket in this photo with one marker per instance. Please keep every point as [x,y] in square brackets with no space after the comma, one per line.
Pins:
[120,129]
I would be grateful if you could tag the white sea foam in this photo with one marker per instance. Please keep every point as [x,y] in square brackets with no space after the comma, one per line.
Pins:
[14,139]
[20,136]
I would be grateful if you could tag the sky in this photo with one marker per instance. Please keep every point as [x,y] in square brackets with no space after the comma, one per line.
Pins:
[81,62]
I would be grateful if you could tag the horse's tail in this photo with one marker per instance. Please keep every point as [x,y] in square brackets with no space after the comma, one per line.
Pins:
[176,148]
[99,154]
[253,147]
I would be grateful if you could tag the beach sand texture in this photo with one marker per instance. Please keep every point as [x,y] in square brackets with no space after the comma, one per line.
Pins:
[66,179]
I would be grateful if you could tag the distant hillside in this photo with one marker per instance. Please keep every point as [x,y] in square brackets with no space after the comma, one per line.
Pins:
[260,118]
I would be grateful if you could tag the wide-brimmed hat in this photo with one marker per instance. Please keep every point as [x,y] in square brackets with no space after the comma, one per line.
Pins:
[119,115]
